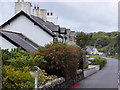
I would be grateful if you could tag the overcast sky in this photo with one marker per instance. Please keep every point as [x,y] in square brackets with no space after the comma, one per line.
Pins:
[78,16]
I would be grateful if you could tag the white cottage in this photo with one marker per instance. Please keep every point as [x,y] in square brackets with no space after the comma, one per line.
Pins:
[35,30]
[28,26]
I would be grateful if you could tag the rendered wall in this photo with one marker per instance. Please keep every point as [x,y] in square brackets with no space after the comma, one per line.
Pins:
[25,26]
[5,44]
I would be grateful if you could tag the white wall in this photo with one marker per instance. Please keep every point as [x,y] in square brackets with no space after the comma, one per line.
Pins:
[4,44]
[23,25]
[89,71]
[60,40]
[53,19]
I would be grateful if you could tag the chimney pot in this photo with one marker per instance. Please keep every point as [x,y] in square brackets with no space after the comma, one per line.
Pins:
[18,0]
[51,13]
[37,6]
[34,7]
[22,0]
[48,13]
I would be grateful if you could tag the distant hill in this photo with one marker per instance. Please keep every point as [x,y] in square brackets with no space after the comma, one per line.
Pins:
[106,42]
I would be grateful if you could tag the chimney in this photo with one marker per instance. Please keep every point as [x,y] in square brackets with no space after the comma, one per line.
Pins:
[34,10]
[52,18]
[18,0]
[43,14]
[25,6]
[37,10]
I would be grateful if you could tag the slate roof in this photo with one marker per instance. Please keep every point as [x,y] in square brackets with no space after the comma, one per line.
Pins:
[50,25]
[36,20]
[54,28]
[72,33]
[68,31]
[62,30]
[19,40]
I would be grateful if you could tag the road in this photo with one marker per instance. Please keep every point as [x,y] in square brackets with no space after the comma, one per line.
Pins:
[105,78]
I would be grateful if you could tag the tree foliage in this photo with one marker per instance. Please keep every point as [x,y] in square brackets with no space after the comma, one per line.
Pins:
[106,42]
[62,60]
[82,39]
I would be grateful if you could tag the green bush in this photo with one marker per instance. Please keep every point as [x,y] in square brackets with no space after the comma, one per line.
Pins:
[98,61]
[13,78]
[19,58]
[16,65]
[62,59]
[14,53]
[23,61]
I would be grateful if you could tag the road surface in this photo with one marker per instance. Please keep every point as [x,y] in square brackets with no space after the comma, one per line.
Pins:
[105,78]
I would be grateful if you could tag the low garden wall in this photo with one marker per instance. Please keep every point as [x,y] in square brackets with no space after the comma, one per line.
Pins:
[97,67]
[91,70]
[62,83]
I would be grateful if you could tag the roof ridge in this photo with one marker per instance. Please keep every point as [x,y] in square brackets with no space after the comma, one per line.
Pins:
[11,31]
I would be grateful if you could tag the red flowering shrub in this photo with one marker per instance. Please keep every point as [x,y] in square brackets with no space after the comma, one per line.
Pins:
[62,59]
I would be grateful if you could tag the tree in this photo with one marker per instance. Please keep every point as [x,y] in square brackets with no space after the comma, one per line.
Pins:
[102,42]
[82,39]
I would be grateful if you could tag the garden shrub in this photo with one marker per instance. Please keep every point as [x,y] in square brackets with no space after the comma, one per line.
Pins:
[98,61]
[13,78]
[14,53]
[62,59]
[5,56]
[19,58]
[23,61]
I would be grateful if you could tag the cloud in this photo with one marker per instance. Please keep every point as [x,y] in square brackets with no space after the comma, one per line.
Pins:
[86,16]
[90,16]
[6,11]
[93,16]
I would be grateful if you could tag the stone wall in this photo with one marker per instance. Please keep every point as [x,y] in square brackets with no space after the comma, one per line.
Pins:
[62,83]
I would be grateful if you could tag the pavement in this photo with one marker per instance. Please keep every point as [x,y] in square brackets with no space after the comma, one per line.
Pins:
[105,78]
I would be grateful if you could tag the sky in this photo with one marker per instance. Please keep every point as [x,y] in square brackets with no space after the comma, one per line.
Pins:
[78,16]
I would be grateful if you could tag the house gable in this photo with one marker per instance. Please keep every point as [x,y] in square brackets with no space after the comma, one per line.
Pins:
[24,24]
[30,18]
